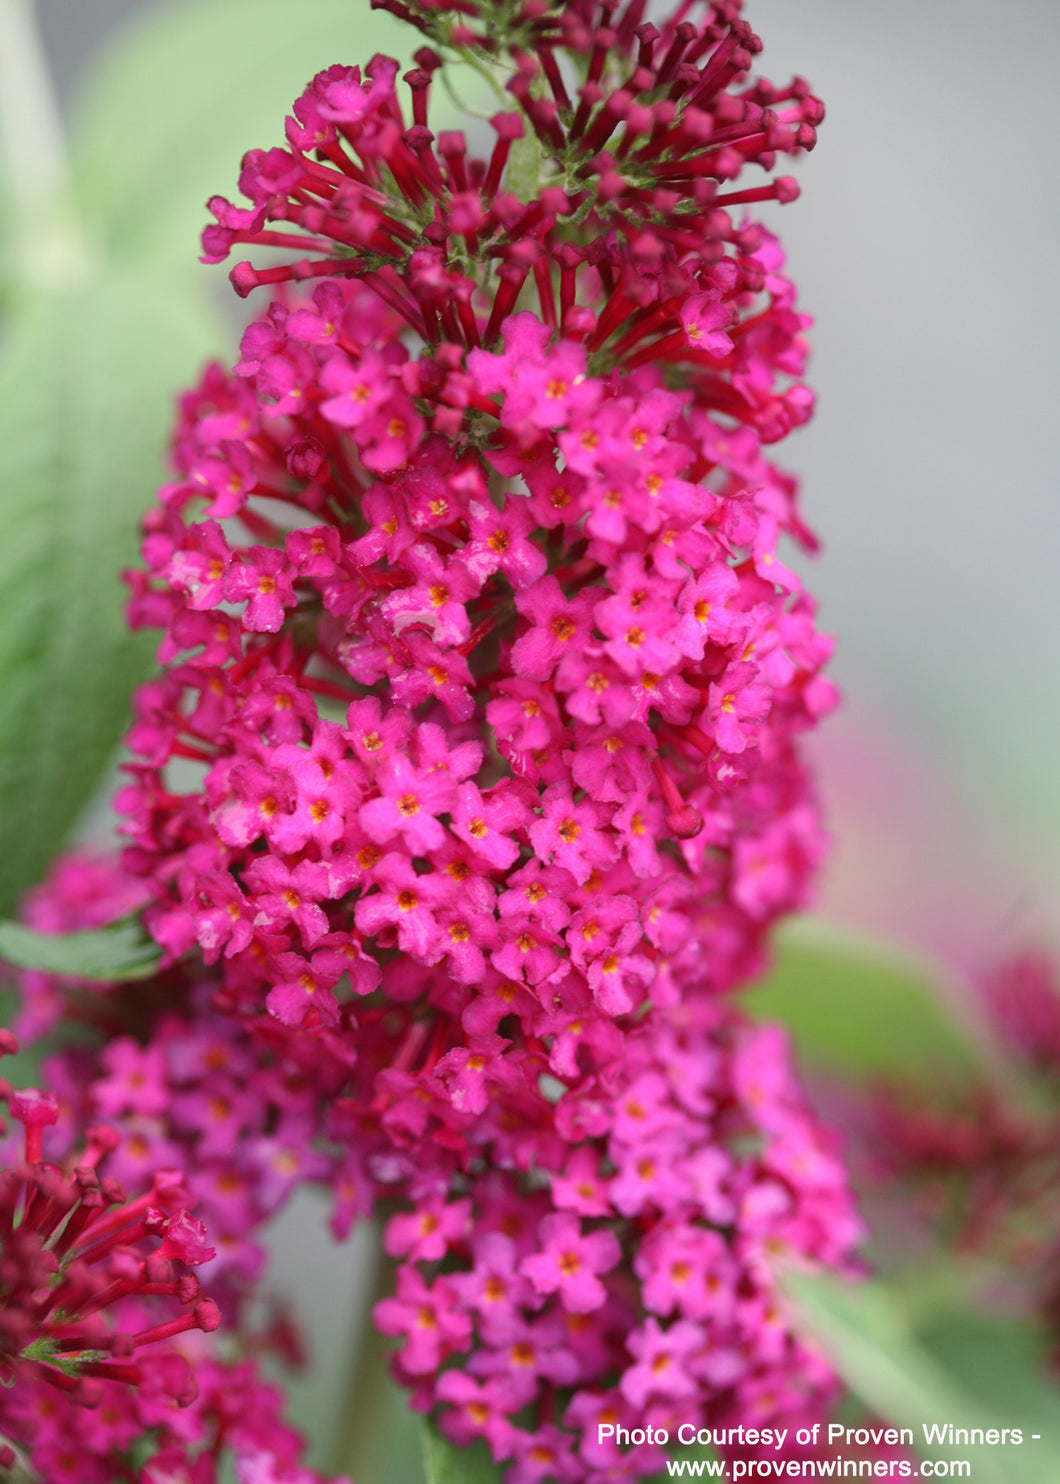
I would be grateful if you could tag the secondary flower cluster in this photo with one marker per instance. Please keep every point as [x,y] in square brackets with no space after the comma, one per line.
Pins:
[102,1322]
[71,1256]
[471,773]
[972,1167]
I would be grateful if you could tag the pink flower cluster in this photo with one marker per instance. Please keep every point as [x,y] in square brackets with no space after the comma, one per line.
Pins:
[647,1254]
[579,679]
[235,1105]
[631,1232]
[102,1324]
[471,773]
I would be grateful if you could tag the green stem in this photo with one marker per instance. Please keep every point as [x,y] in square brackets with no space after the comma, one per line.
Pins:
[380,1437]
[22,1472]
[486,70]
[47,242]
[465,108]
[523,174]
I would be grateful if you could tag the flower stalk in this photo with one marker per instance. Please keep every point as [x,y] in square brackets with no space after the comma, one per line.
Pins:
[48,245]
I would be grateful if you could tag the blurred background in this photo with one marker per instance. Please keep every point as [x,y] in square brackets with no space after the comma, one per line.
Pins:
[925,248]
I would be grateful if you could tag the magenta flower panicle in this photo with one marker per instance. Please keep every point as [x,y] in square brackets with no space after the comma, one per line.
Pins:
[478,630]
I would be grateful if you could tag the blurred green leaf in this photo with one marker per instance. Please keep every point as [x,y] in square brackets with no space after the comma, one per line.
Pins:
[447,1464]
[23,1068]
[121,951]
[1000,1363]
[858,1010]
[185,91]
[865,1329]
[970,1371]
[86,383]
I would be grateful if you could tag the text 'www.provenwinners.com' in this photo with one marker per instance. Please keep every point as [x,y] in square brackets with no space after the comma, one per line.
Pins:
[776,1442]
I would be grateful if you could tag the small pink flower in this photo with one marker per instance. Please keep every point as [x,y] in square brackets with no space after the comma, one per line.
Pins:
[486,823]
[357,388]
[431,1323]
[135,1080]
[408,805]
[704,319]
[389,435]
[436,602]
[545,1454]
[224,916]
[404,905]
[476,1411]
[557,627]
[303,987]
[689,1271]
[571,835]
[281,895]
[581,1188]
[500,542]
[736,703]
[263,578]
[663,1359]
[568,1263]
[426,1234]
[199,568]
[494,1289]
[470,1071]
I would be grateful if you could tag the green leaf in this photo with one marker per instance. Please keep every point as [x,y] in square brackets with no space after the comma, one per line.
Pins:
[121,951]
[217,77]
[86,382]
[970,1371]
[860,1010]
[446,1464]
[1001,1364]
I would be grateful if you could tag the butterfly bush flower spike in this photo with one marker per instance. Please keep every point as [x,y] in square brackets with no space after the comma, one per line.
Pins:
[480,644]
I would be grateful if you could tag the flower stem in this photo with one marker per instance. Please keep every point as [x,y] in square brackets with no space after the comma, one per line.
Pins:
[47,242]
[381,1437]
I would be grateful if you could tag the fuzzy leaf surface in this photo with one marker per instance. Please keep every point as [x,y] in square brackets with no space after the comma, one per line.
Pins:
[86,385]
[121,951]
[858,1010]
